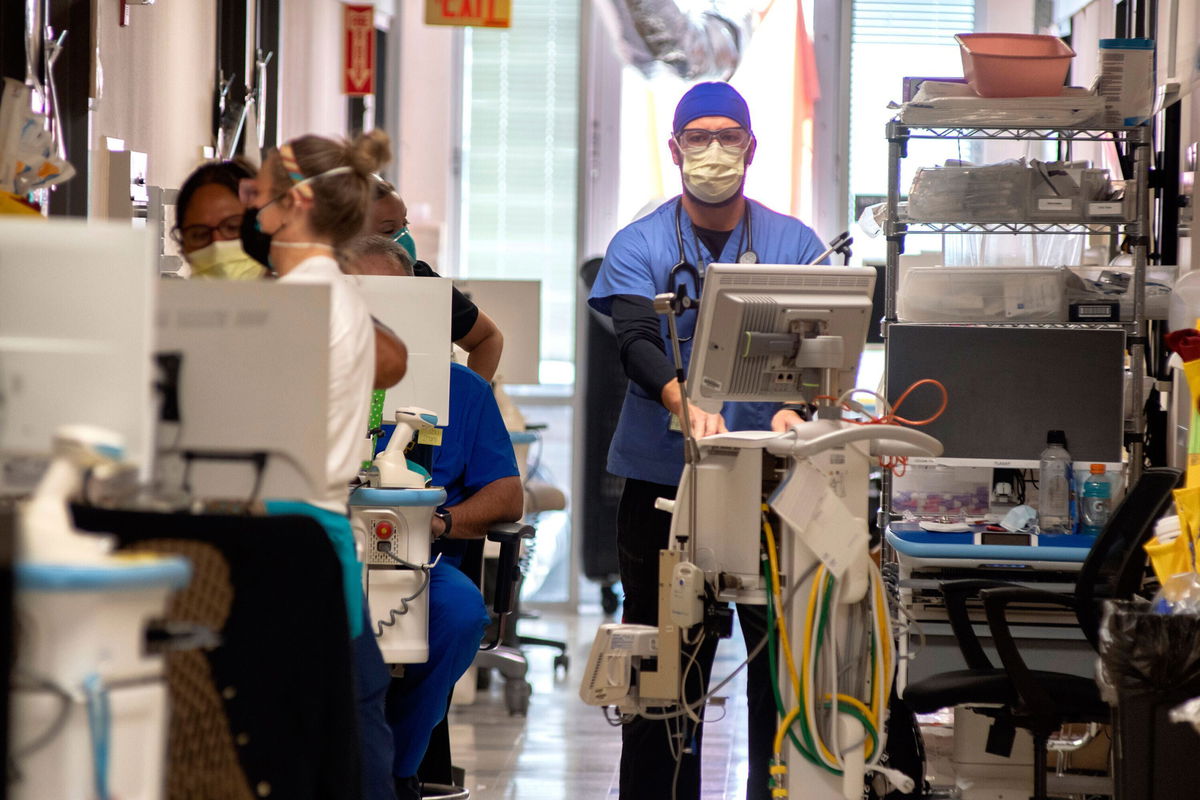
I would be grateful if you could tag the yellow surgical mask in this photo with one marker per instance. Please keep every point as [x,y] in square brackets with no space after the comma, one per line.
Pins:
[224,260]
[715,173]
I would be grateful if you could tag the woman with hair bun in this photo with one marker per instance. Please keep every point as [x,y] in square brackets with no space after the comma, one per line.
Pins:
[314,194]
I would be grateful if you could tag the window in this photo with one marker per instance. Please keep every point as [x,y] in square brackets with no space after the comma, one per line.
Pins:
[890,41]
[518,189]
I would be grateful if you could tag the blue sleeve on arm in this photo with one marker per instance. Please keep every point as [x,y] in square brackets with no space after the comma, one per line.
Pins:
[626,270]
[813,247]
[490,456]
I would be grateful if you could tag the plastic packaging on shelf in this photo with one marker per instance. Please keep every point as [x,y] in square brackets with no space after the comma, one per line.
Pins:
[1019,250]
[956,104]
[989,193]
[1111,284]
[1012,191]
[983,294]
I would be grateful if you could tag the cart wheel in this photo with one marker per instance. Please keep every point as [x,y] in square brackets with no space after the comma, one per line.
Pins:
[516,696]
[562,660]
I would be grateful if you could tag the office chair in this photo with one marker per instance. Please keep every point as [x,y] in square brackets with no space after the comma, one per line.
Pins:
[508,657]
[269,705]
[1037,700]
[501,650]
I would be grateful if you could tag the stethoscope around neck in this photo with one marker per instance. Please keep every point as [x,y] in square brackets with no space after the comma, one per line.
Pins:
[685,267]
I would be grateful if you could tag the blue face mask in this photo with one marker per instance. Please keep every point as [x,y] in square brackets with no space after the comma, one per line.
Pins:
[405,240]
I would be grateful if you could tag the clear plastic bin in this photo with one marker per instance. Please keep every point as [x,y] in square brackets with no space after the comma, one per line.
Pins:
[983,294]
[992,193]
[1072,197]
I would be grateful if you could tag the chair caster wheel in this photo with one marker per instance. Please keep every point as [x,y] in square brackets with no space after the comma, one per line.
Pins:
[562,660]
[516,696]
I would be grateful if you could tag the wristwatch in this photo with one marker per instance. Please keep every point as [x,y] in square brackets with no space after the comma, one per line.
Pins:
[800,408]
[444,515]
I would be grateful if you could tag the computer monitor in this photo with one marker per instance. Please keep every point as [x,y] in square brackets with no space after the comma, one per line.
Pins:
[1008,386]
[516,308]
[418,311]
[253,377]
[766,330]
[76,331]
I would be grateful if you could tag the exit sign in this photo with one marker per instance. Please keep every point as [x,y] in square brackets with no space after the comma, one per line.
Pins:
[358,50]
[477,13]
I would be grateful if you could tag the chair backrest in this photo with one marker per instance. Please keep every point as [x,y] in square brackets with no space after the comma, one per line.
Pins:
[1115,565]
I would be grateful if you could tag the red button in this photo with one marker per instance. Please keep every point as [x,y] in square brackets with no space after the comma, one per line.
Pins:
[383,530]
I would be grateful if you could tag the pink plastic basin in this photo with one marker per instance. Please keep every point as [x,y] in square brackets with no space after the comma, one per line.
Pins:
[1014,64]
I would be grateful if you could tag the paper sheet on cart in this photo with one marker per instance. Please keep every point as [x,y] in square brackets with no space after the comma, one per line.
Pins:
[806,503]
[941,103]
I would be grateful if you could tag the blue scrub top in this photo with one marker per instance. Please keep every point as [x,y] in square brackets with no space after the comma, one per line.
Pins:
[476,448]
[638,262]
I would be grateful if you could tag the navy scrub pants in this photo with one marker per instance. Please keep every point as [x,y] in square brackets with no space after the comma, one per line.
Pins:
[417,702]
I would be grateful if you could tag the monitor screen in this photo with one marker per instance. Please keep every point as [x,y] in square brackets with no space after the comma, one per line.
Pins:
[76,332]
[1008,386]
[253,378]
[418,311]
[765,332]
[516,308]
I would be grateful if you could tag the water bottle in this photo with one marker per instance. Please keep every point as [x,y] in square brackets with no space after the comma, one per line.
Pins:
[1054,485]
[1097,501]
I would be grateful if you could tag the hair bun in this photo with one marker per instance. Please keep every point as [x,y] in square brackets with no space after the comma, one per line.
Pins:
[369,151]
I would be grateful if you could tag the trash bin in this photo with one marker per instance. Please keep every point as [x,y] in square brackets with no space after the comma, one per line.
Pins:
[1150,664]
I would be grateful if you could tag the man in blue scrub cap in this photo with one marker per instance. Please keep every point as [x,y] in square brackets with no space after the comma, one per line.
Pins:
[712,143]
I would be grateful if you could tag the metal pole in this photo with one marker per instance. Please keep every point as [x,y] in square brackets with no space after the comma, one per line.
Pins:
[1140,230]
[897,136]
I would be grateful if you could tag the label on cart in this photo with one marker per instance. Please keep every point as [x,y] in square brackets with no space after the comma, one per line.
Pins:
[808,505]
[1055,204]
[430,436]
[1106,209]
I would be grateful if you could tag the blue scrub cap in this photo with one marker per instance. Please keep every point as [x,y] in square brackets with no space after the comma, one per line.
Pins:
[713,99]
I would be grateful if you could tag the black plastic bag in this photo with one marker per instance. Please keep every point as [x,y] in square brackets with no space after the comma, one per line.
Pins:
[1143,652]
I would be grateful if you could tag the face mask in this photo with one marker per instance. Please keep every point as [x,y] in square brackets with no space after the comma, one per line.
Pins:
[224,260]
[255,243]
[714,174]
[405,240]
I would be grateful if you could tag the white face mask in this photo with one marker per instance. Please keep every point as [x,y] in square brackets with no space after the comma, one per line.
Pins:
[714,174]
[224,260]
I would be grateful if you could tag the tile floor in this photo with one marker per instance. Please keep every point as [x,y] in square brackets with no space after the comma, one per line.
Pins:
[565,750]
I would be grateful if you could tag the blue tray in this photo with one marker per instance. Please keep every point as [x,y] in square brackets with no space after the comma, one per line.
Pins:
[397,497]
[911,540]
[171,572]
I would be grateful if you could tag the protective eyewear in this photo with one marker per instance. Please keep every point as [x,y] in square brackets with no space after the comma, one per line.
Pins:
[699,138]
[193,237]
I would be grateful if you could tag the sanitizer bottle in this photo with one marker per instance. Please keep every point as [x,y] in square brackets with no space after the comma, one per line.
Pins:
[1097,501]
[1054,485]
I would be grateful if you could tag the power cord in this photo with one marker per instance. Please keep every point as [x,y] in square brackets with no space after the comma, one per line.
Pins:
[394,614]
